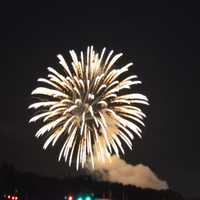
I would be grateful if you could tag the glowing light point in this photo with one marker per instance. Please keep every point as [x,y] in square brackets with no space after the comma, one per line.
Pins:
[88,198]
[70,198]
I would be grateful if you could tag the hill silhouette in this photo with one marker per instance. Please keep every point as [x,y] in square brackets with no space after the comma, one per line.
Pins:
[31,186]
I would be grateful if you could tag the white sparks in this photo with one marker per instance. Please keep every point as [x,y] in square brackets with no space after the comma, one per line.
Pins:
[85,105]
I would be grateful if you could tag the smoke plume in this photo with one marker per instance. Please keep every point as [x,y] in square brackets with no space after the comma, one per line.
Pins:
[117,170]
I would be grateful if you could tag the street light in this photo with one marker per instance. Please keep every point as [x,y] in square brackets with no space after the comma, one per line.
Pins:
[70,197]
[88,198]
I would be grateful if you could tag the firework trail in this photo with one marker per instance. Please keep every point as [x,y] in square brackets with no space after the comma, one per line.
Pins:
[85,104]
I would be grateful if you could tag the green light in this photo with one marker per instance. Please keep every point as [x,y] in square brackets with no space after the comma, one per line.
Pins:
[88,198]
[80,198]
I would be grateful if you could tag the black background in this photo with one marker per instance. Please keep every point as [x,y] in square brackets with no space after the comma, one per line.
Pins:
[162,39]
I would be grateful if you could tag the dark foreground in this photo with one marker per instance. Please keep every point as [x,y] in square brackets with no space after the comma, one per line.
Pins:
[28,186]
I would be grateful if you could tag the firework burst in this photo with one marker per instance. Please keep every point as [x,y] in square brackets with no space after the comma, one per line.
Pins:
[85,107]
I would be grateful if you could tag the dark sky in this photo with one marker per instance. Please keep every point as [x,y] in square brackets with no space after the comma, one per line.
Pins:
[163,41]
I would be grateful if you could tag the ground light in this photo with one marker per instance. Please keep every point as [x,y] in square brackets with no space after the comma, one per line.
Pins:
[88,198]
[10,197]
[84,197]
[70,197]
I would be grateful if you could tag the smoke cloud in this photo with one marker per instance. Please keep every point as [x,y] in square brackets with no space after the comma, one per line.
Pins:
[117,170]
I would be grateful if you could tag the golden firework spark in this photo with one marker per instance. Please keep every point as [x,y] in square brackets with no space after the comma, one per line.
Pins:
[85,107]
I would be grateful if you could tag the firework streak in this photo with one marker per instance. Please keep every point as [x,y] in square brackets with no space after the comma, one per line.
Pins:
[84,107]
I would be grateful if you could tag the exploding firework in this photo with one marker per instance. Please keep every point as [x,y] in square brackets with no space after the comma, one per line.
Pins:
[84,107]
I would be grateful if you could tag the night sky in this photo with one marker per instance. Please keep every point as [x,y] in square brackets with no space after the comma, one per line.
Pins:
[162,39]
